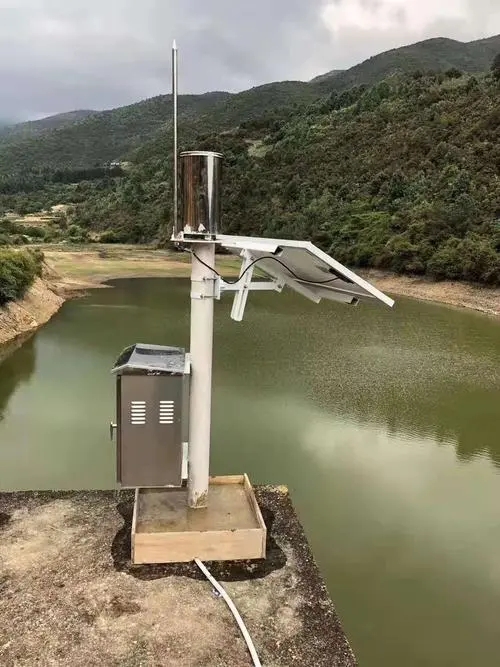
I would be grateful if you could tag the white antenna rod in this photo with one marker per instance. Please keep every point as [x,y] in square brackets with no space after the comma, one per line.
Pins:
[175,91]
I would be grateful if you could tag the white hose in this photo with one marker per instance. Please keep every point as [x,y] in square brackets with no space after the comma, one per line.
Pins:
[230,604]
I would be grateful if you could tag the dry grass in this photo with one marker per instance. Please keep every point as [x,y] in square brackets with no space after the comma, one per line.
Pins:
[90,266]
[39,219]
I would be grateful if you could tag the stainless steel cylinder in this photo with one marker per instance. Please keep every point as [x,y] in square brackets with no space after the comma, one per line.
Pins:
[200,193]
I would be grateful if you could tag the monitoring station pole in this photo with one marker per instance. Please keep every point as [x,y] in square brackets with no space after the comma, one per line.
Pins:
[198,168]
[201,350]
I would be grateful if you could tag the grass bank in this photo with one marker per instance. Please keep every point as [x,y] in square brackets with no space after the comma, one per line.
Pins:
[82,267]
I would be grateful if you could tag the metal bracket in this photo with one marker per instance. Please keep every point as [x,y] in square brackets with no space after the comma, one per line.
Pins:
[213,290]
[258,286]
[245,285]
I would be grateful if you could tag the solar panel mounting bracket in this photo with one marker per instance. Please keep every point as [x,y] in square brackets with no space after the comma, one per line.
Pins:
[245,285]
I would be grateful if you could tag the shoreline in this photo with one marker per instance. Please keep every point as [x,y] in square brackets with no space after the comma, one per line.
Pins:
[482,299]
[69,274]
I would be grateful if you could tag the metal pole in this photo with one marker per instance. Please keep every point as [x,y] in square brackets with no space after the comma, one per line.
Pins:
[175,91]
[202,316]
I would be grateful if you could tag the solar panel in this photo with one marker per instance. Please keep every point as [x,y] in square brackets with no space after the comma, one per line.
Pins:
[303,267]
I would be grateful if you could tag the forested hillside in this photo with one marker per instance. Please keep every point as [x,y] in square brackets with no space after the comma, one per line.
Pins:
[112,135]
[100,138]
[35,128]
[403,175]
[431,55]
[84,139]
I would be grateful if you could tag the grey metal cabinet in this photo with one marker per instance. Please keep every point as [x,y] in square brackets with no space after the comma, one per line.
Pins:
[151,391]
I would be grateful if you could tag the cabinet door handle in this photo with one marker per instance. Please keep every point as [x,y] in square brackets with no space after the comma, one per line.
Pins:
[112,429]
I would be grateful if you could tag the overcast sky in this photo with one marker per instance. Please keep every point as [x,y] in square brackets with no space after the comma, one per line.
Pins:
[58,55]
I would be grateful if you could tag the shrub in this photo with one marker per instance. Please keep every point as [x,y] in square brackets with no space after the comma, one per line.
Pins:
[18,270]
[77,234]
[454,73]
[34,232]
[111,237]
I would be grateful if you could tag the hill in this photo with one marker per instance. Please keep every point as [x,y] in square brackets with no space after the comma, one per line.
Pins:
[82,139]
[401,176]
[431,55]
[34,128]
[101,137]
[327,76]
[114,134]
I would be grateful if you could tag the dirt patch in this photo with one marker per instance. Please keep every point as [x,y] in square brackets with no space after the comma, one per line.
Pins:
[25,316]
[464,295]
[64,602]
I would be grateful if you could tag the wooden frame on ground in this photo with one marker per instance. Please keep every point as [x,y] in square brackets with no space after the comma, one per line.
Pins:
[231,528]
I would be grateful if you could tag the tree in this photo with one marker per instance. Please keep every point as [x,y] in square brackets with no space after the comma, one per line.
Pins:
[495,67]
[454,73]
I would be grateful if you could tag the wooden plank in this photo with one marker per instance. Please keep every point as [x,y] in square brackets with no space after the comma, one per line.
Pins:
[227,479]
[255,506]
[207,545]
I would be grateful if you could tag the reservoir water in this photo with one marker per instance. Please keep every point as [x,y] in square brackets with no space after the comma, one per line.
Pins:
[385,426]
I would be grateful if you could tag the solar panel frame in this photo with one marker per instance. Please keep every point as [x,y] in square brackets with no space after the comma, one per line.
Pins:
[310,265]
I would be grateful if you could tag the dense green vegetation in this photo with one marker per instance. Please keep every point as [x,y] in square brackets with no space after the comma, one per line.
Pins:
[18,270]
[37,127]
[431,55]
[113,135]
[83,139]
[401,175]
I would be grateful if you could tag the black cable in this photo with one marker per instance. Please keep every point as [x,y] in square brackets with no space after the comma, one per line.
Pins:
[259,259]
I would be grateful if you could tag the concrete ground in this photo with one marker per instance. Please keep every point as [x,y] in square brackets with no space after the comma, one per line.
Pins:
[70,596]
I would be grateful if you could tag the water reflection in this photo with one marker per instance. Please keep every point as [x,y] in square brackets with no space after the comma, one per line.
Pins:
[16,368]
[452,399]
[421,371]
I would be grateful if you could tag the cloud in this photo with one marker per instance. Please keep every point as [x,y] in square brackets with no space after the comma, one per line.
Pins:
[384,15]
[57,55]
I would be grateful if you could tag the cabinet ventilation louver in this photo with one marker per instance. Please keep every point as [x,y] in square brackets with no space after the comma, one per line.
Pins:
[166,412]
[138,413]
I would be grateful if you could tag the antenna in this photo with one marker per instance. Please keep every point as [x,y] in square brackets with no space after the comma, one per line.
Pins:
[175,73]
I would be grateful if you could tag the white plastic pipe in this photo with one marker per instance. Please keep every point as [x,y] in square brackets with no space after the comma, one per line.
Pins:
[234,611]
[201,349]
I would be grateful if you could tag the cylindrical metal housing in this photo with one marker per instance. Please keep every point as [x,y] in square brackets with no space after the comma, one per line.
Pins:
[200,193]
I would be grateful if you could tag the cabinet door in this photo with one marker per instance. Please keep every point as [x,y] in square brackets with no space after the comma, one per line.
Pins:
[150,430]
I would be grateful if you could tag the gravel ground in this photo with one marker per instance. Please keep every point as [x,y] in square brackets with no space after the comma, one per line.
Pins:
[70,596]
